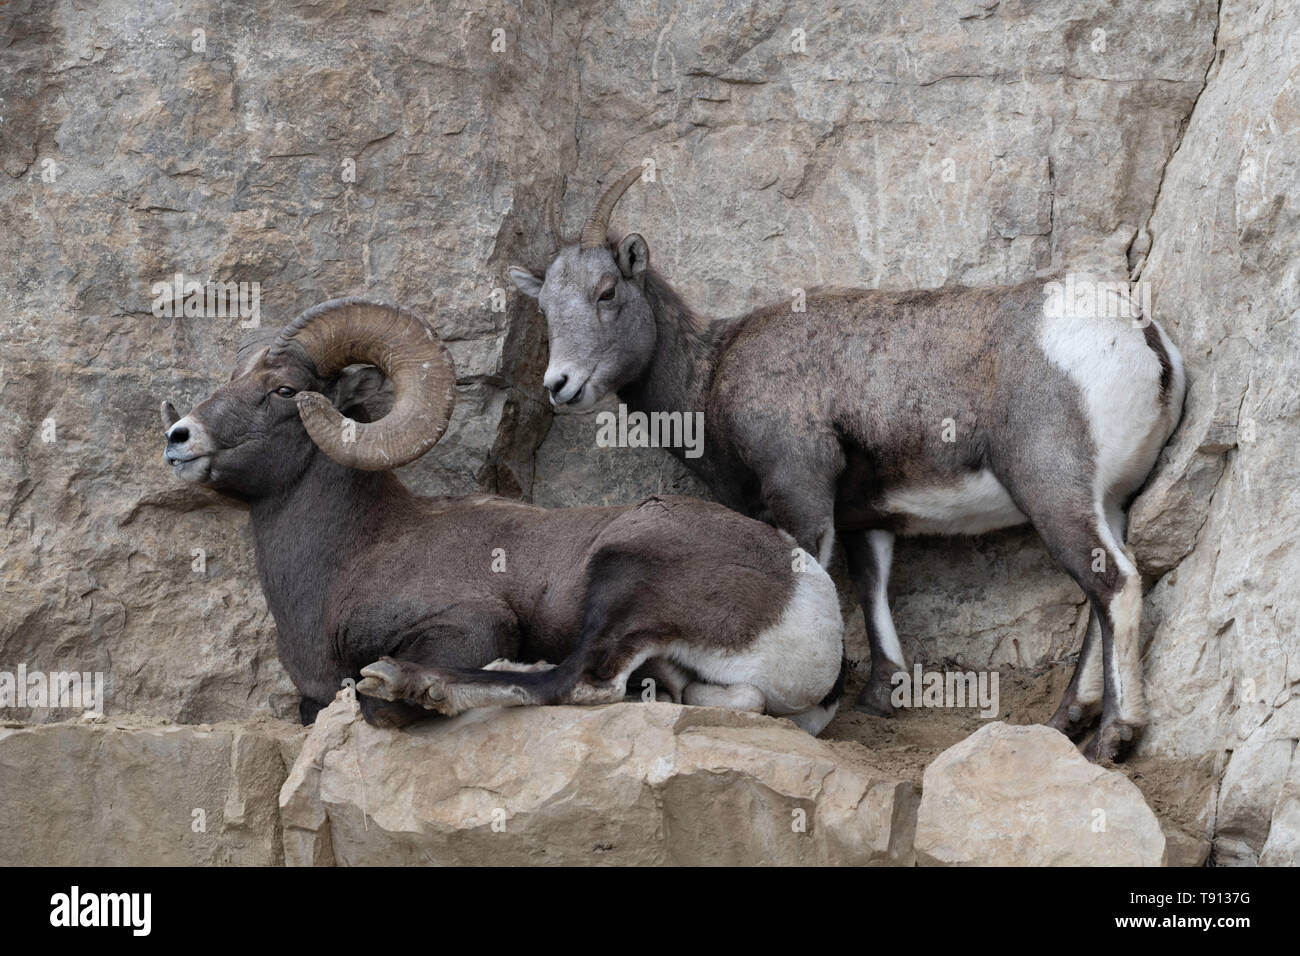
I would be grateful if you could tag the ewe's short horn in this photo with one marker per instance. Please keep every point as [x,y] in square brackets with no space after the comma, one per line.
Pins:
[593,233]
[342,332]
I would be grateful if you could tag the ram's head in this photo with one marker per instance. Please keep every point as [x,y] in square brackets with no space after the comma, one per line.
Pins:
[292,391]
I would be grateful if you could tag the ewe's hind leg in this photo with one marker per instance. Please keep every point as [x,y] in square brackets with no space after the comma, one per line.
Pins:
[1124,698]
[1082,701]
[1078,534]
[869,555]
[1083,697]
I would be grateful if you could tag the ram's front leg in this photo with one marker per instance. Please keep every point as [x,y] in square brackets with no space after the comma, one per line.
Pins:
[453,690]
[414,649]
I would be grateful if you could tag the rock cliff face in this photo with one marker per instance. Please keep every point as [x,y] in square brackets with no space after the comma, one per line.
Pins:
[410,152]
[1220,522]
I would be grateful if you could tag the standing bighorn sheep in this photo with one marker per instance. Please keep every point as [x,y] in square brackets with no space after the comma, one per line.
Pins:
[873,413]
[417,597]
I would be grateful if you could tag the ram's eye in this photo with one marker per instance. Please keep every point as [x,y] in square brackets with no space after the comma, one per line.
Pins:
[607,295]
[284,391]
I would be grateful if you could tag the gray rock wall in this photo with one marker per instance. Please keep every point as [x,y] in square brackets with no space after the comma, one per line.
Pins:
[1223,658]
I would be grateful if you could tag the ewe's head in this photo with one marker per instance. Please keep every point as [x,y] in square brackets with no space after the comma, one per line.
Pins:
[601,329]
[291,390]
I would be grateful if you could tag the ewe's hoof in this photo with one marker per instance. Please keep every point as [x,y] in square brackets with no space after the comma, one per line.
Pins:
[1110,741]
[1073,719]
[874,699]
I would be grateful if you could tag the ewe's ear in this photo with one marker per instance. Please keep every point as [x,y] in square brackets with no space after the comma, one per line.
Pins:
[525,281]
[633,256]
[355,390]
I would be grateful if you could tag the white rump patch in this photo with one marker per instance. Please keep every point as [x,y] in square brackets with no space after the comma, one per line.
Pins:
[1118,375]
[794,662]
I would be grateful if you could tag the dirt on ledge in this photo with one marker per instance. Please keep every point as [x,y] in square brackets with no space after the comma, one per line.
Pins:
[1178,790]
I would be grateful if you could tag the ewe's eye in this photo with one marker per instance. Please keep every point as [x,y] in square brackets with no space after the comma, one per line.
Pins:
[284,391]
[607,295]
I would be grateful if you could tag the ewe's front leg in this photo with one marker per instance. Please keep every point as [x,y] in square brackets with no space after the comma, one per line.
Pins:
[869,555]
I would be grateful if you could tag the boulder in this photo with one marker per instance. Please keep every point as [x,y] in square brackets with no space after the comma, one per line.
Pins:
[1024,796]
[621,784]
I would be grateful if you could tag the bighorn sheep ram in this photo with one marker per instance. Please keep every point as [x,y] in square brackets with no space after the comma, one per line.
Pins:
[873,414]
[418,597]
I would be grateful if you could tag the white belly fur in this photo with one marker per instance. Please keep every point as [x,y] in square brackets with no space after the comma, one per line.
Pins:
[975,504]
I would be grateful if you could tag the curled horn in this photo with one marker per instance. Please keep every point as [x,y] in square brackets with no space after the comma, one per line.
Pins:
[341,332]
[593,233]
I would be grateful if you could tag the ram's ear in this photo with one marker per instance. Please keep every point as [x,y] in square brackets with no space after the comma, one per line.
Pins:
[633,256]
[356,391]
[526,281]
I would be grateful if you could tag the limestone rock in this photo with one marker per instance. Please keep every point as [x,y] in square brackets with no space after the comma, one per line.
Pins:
[1024,796]
[141,793]
[1222,658]
[617,785]
[1282,848]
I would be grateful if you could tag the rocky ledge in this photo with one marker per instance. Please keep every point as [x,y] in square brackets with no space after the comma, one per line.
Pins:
[615,785]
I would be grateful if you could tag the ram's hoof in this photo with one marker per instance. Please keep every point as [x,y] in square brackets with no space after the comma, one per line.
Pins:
[382,679]
[390,679]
